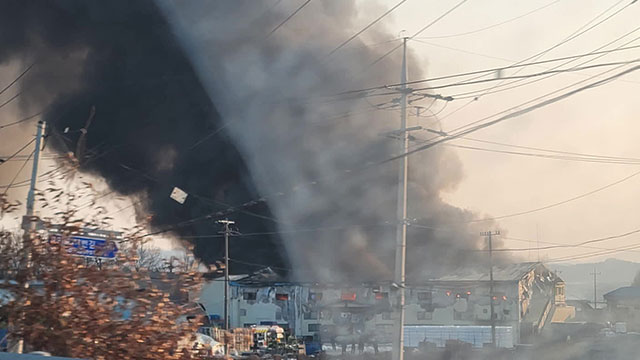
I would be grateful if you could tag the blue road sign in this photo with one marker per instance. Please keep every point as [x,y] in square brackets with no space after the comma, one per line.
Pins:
[87,246]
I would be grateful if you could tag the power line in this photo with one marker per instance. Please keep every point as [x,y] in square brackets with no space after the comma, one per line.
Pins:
[578,32]
[494,25]
[289,17]
[2,161]
[594,254]
[17,78]
[486,71]
[292,231]
[21,120]
[17,173]
[259,265]
[527,76]
[366,27]
[517,113]
[208,136]
[500,87]
[10,100]
[549,247]
[549,150]
[223,213]
[545,156]
[555,243]
[602,188]
[420,31]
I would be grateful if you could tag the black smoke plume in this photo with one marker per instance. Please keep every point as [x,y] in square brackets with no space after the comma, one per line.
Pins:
[164,76]
[122,59]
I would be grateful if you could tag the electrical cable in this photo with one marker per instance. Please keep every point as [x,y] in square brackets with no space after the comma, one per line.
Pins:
[551,150]
[21,120]
[494,25]
[2,161]
[555,157]
[220,214]
[593,254]
[485,71]
[522,77]
[288,18]
[419,31]
[549,247]
[11,99]
[17,78]
[366,27]
[520,112]
[578,32]
[554,243]
[504,87]
[17,173]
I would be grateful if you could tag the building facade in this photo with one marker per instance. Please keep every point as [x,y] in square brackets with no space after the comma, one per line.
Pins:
[623,305]
[525,298]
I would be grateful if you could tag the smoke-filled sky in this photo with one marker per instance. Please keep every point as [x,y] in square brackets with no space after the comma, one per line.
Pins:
[213,66]
[600,121]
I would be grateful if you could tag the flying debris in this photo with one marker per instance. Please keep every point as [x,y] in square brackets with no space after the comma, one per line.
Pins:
[179,195]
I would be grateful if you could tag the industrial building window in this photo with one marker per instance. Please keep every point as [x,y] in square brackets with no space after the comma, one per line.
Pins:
[311,315]
[382,295]
[386,315]
[424,315]
[313,327]
[249,296]
[424,296]
[243,312]
[348,296]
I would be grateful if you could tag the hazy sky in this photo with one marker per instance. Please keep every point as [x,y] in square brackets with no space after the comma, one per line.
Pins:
[599,121]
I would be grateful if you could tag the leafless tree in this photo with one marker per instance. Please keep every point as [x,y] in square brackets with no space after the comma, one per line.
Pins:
[101,311]
[188,263]
[149,258]
[10,246]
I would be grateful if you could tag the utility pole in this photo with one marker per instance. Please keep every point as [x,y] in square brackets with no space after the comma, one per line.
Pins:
[226,232]
[28,224]
[34,170]
[595,288]
[488,235]
[401,232]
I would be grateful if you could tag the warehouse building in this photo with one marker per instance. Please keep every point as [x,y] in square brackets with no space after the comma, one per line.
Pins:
[526,297]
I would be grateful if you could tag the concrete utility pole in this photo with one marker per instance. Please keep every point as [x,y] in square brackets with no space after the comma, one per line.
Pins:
[401,232]
[34,170]
[28,224]
[488,235]
[595,287]
[226,232]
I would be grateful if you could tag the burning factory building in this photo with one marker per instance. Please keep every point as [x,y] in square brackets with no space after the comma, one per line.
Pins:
[526,297]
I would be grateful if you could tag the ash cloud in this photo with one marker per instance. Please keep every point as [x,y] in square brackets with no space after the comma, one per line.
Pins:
[162,76]
[122,58]
[257,81]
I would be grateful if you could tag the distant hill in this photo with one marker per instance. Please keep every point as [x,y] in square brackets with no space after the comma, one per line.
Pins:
[614,273]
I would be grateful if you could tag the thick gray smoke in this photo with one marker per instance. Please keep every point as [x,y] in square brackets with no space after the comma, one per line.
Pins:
[270,92]
[199,95]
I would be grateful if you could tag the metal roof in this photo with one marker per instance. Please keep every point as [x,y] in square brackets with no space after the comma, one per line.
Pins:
[506,272]
[624,293]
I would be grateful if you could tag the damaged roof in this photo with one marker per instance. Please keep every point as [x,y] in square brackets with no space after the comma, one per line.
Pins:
[506,272]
